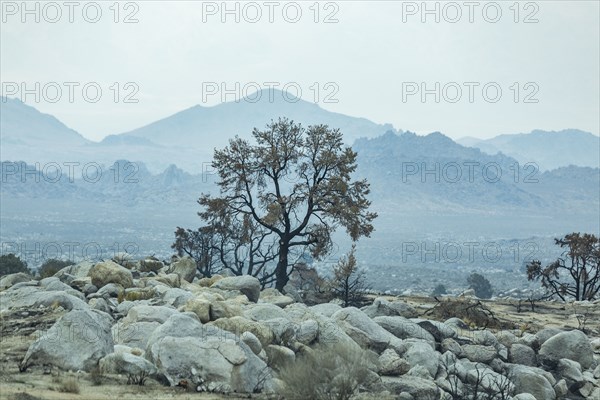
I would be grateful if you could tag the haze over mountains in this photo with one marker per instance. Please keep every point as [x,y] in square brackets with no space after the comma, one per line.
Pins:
[23,125]
[433,173]
[211,127]
[549,150]
[429,173]
[189,137]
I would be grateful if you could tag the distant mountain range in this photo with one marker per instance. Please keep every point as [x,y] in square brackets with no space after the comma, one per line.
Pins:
[122,184]
[549,150]
[432,172]
[188,138]
[408,174]
[209,127]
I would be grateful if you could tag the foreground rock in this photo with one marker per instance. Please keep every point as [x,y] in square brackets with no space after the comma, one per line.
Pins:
[207,357]
[77,341]
[418,388]
[12,279]
[362,329]
[29,296]
[529,380]
[184,267]
[573,345]
[110,272]
[128,364]
[248,285]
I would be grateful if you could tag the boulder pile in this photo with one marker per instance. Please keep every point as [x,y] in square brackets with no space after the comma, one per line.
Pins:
[225,334]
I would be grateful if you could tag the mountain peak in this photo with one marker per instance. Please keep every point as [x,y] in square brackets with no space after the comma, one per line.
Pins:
[275,96]
[23,124]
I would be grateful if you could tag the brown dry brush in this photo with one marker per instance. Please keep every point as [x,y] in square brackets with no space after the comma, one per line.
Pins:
[469,310]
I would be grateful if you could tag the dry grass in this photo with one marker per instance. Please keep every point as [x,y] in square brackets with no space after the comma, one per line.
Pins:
[326,373]
[25,396]
[69,385]
[96,376]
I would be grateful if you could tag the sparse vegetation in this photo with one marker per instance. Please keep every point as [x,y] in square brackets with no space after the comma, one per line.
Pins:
[326,373]
[25,396]
[480,384]
[200,245]
[576,274]
[263,375]
[312,288]
[137,379]
[349,282]
[52,266]
[472,312]
[481,286]
[581,321]
[69,385]
[439,290]
[12,264]
[96,376]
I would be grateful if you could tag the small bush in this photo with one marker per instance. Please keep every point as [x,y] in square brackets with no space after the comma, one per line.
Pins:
[52,266]
[439,290]
[96,376]
[575,274]
[349,282]
[326,373]
[69,385]
[11,264]
[481,286]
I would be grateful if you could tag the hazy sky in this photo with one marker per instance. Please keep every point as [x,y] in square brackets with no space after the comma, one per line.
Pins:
[375,61]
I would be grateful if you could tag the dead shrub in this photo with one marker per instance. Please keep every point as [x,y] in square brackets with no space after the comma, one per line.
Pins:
[472,311]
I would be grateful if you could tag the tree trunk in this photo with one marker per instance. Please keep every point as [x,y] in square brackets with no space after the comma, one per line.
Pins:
[281,274]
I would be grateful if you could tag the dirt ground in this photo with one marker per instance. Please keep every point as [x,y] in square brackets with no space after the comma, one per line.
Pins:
[19,329]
